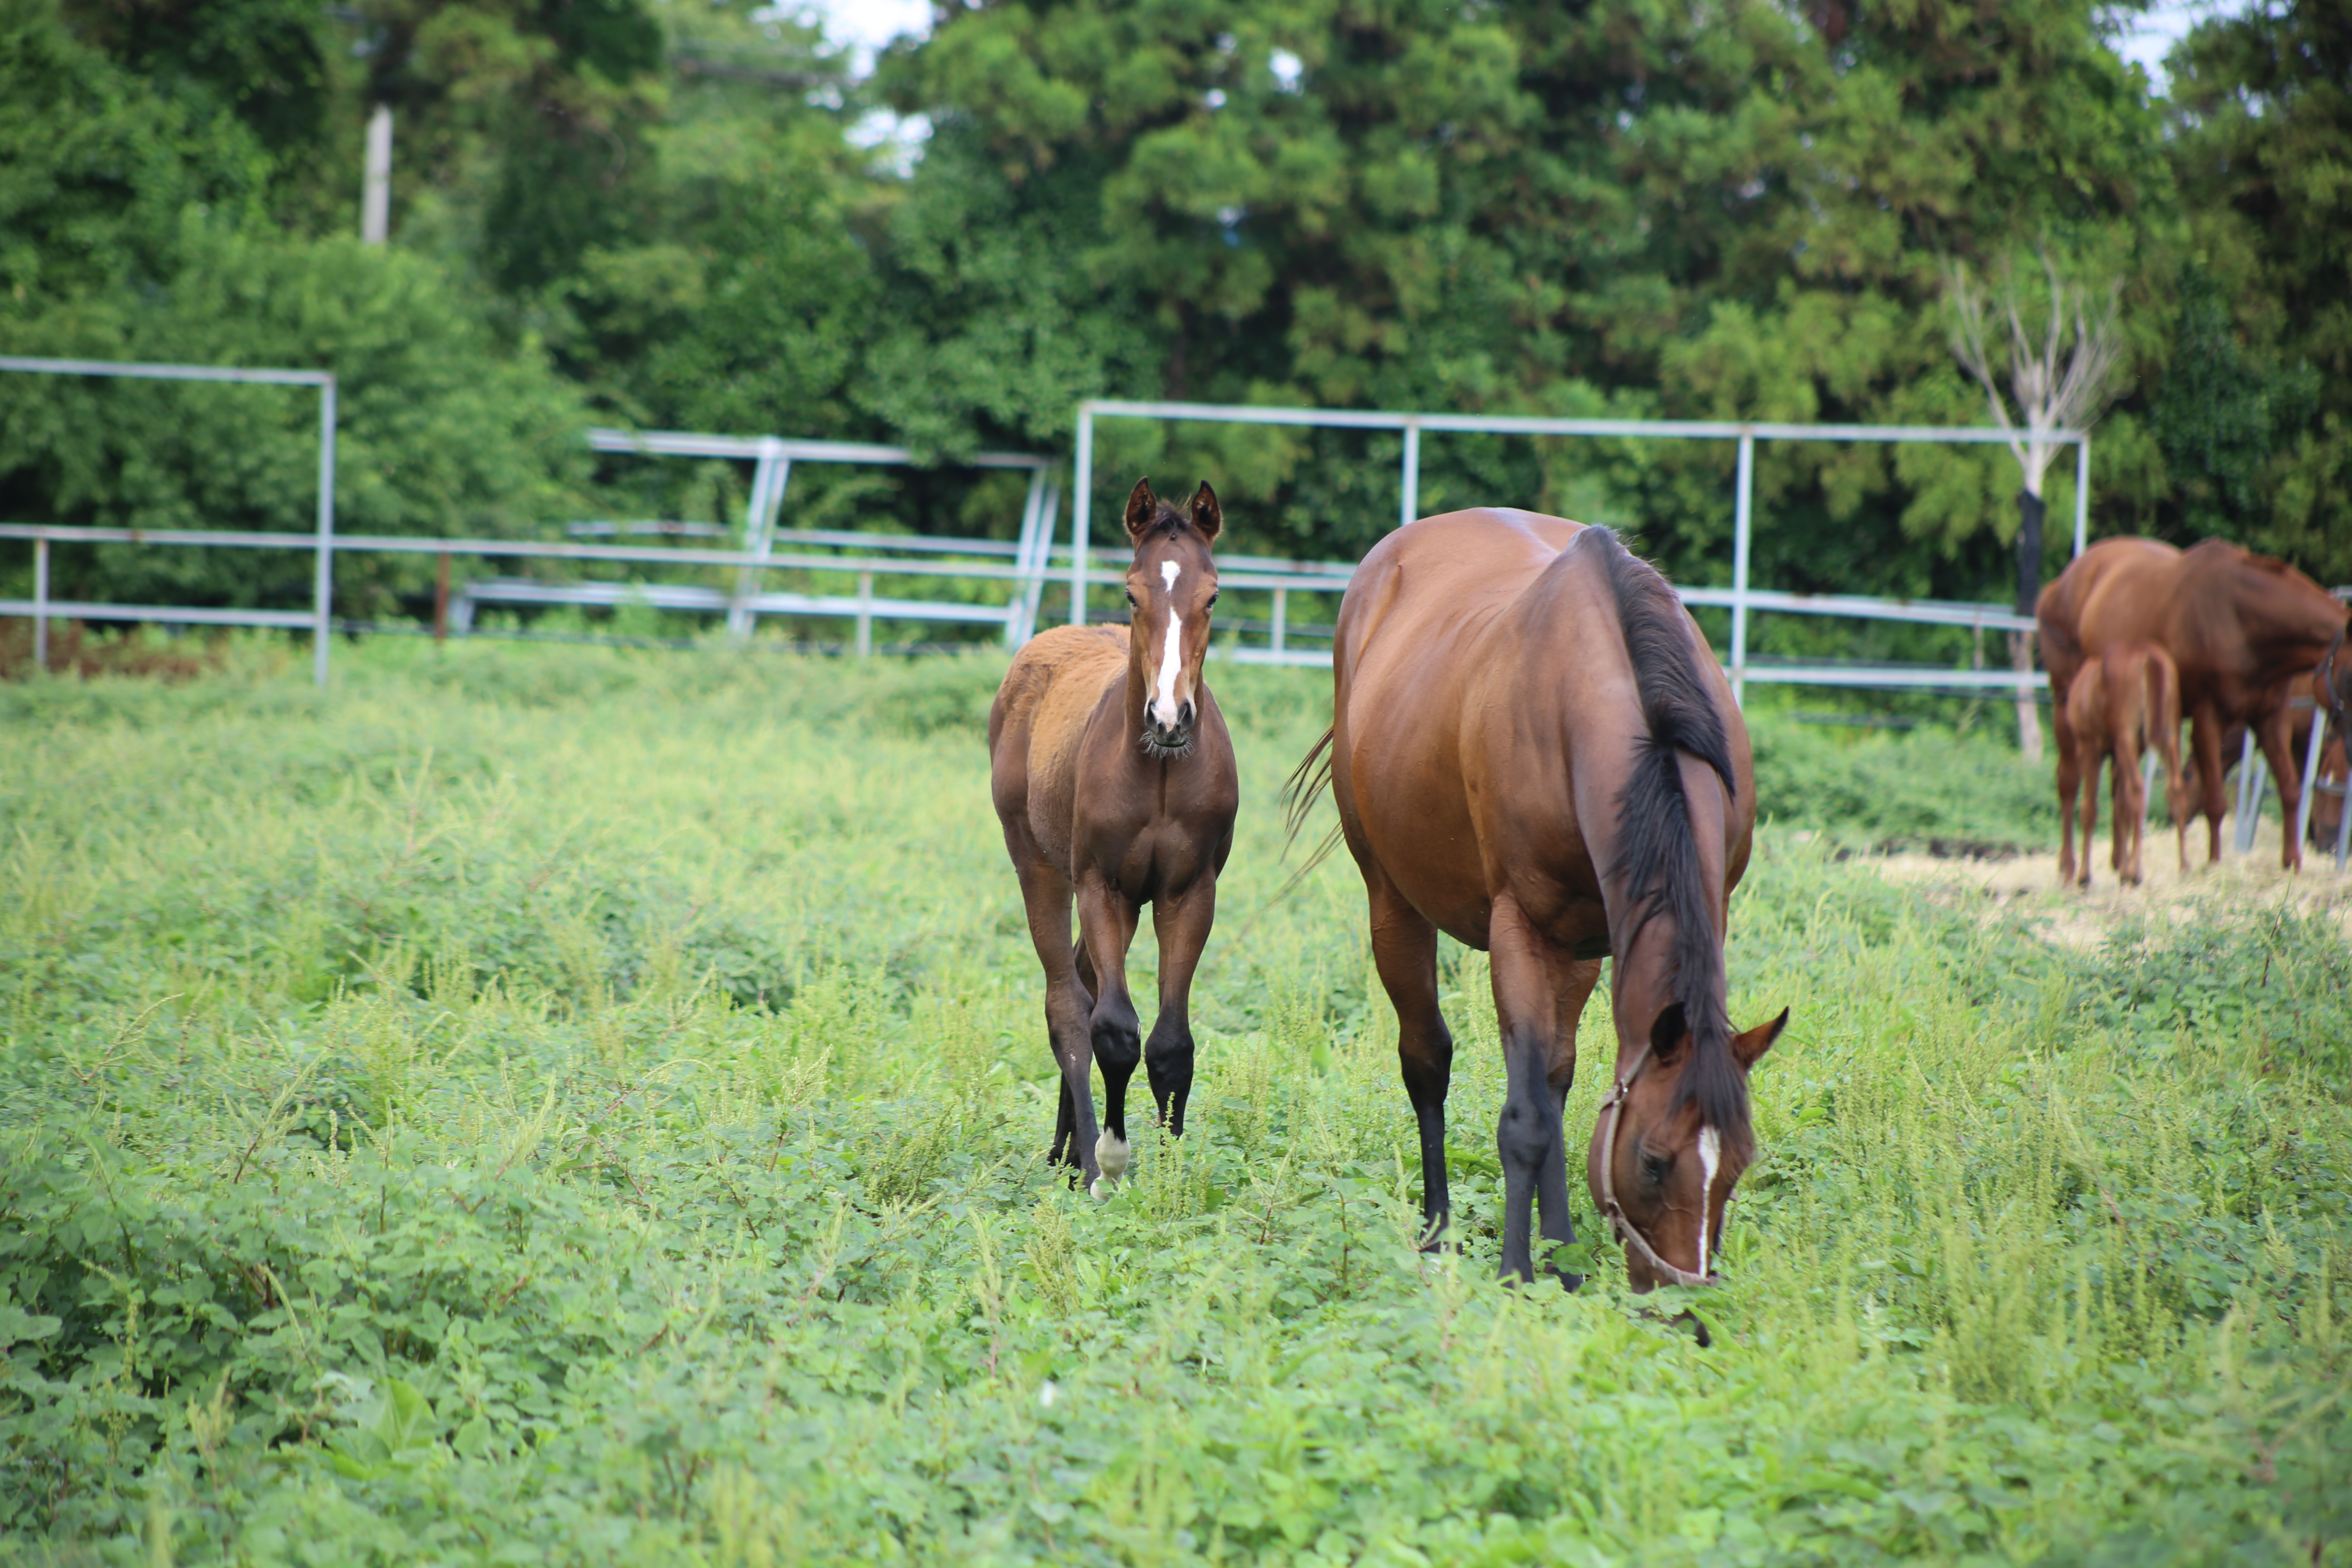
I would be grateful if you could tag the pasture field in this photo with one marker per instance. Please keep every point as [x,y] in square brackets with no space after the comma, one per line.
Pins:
[554,1105]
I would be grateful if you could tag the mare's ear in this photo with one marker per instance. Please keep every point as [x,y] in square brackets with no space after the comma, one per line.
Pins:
[1207,515]
[1667,1032]
[1748,1048]
[1142,506]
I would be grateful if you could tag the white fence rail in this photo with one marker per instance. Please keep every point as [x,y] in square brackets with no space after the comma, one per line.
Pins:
[1024,565]
[1740,598]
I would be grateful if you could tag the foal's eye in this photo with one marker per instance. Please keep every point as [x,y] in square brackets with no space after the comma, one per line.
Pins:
[1655,1167]
[1130,598]
[1213,599]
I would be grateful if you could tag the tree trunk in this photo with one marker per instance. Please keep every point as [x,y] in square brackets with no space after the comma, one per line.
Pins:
[2021,644]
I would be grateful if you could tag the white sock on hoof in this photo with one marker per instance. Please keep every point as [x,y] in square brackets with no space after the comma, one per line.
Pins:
[1111,1154]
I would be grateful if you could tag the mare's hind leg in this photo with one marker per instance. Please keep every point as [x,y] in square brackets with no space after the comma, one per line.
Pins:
[1105,927]
[2275,735]
[1182,926]
[1529,976]
[2090,814]
[1404,950]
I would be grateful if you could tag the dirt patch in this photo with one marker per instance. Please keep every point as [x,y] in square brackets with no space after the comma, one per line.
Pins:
[2082,918]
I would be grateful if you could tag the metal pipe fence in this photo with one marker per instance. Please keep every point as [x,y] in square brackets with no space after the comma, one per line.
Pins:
[1740,598]
[1022,564]
[322,540]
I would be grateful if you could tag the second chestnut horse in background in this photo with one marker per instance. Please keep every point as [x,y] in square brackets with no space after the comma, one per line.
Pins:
[2126,698]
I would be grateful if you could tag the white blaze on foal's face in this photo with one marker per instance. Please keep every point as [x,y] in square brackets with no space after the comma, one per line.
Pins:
[1164,706]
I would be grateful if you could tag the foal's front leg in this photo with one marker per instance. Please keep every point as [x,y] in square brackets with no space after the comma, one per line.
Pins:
[1181,924]
[1106,926]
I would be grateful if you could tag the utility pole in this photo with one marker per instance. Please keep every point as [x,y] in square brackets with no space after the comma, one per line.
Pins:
[376,198]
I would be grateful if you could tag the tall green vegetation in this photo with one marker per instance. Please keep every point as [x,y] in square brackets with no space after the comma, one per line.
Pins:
[666,212]
[557,1106]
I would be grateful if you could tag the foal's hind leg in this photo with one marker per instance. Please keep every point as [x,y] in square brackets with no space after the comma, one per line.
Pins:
[1404,949]
[1182,926]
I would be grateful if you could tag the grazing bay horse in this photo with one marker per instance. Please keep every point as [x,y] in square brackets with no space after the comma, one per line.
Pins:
[1114,778]
[1534,751]
[2126,698]
[2237,625]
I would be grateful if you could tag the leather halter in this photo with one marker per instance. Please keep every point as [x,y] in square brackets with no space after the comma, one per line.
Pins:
[1614,1107]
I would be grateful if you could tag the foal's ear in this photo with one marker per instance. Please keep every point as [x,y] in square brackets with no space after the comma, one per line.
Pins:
[1207,515]
[1667,1032]
[1142,506]
[1748,1048]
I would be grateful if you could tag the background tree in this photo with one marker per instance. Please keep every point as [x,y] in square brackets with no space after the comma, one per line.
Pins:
[2061,374]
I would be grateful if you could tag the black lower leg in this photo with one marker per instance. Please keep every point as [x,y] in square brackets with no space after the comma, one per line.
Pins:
[1428,1067]
[1528,1138]
[1118,1047]
[1065,1124]
[1168,1059]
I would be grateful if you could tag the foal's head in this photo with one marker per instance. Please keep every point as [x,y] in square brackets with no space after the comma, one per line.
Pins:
[1171,584]
[1670,1157]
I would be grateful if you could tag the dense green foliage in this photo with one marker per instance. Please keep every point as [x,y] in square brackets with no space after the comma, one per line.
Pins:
[565,1106]
[667,212]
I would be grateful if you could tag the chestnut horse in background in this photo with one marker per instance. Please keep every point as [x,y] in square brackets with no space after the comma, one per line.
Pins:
[1114,778]
[1533,751]
[2236,625]
[2127,698]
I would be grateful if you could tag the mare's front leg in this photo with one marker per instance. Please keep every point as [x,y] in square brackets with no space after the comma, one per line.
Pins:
[2205,740]
[1182,926]
[1404,950]
[1528,1003]
[2276,734]
[1105,927]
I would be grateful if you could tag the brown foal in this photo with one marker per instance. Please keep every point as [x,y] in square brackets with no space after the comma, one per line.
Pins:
[2127,698]
[1114,778]
[1534,751]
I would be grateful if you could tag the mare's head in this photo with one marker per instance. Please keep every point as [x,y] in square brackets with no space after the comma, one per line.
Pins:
[1171,584]
[1671,1145]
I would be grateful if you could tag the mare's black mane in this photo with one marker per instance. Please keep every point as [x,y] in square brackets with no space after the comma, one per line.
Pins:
[1657,853]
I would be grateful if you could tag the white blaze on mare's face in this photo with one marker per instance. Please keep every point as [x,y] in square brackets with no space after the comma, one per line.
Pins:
[1171,656]
[1710,1152]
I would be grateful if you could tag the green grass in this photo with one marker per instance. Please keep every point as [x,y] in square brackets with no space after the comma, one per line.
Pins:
[553,1105]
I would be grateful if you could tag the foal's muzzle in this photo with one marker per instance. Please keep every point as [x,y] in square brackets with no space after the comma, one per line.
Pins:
[1169,740]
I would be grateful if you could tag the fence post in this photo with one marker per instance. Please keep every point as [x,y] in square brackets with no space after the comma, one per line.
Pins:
[1740,527]
[1024,560]
[441,599]
[767,492]
[1409,506]
[866,615]
[1281,617]
[41,603]
[2310,771]
[2343,816]
[323,589]
[1079,505]
[2249,792]
[2081,495]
